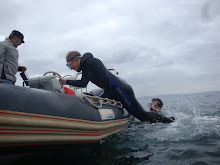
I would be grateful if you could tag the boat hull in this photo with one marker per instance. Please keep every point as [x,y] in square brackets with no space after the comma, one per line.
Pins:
[36,117]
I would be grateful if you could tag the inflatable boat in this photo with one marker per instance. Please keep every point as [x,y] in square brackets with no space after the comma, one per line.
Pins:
[42,114]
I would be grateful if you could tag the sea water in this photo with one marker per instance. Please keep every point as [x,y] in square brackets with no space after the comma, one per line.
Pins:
[194,138]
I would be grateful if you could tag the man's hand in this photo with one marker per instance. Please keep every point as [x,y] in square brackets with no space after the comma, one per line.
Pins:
[62,81]
[23,68]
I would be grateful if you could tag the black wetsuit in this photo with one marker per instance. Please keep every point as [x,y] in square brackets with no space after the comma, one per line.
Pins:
[115,88]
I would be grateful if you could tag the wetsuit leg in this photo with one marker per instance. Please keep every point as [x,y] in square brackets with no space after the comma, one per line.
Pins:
[124,93]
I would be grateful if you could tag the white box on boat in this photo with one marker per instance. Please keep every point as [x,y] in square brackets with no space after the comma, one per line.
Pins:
[49,83]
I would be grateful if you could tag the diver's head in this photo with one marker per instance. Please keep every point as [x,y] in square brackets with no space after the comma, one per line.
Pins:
[73,59]
[155,105]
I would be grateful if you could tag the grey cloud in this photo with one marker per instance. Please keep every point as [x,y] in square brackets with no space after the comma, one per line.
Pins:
[210,10]
[159,47]
[8,15]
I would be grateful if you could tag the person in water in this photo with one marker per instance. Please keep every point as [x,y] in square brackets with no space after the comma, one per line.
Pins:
[114,88]
[156,106]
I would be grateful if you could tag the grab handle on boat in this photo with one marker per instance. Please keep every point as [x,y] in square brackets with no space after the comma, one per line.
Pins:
[118,103]
[105,101]
[88,100]
[112,102]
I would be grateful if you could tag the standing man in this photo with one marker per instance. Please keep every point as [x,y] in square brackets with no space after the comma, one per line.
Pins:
[9,57]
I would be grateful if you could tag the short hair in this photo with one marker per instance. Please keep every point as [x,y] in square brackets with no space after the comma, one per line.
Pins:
[159,102]
[72,55]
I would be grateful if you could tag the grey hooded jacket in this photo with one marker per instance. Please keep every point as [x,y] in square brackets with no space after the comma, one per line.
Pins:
[8,59]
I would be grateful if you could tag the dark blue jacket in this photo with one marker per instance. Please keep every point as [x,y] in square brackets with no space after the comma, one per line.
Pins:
[92,70]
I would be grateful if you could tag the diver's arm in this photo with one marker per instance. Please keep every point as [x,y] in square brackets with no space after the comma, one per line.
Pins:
[168,120]
[78,83]
[154,117]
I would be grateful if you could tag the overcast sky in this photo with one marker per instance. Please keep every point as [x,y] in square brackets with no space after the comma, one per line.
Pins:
[157,46]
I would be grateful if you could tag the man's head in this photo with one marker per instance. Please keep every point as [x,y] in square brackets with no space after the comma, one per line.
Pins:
[73,60]
[155,105]
[16,37]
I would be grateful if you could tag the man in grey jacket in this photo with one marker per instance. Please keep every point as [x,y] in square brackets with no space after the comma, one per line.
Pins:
[9,57]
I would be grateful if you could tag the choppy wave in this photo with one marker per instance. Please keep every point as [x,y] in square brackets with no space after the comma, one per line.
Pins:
[194,138]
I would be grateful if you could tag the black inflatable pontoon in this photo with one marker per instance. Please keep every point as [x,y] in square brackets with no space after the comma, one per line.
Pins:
[31,116]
